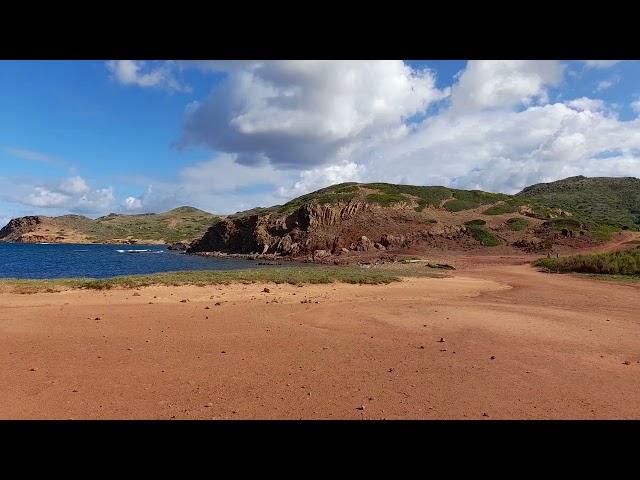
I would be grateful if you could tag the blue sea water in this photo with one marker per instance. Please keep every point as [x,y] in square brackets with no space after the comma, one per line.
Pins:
[19,260]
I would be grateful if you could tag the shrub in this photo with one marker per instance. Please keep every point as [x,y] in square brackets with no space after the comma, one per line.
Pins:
[477,221]
[457,205]
[481,235]
[516,224]
[612,263]
[500,209]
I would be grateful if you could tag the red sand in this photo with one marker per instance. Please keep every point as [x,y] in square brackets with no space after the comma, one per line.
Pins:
[558,344]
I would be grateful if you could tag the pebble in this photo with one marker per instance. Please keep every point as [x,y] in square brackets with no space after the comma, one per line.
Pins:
[266,290]
[421,347]
[361,407]
[206,308]
[34,369]
[209,405]
[485,415]
[183,301]
[626,362]
[129,348]
[217,304]
[492,357]
[441,340]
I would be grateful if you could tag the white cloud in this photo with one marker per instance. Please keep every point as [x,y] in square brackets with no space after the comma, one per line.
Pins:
[297,114]
[505,151]
[133,203]
[636,106]
[132,72]
[293,127]
[585,103]
[72,194]
[504,83]
[74,186]
[606,84]
[600,63]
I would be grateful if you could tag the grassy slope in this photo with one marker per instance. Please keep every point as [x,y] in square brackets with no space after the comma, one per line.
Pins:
[603,200]
[388,194]
[180,224]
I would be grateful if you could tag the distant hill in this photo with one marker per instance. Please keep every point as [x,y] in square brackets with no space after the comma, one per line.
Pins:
[182,224]
[612,201]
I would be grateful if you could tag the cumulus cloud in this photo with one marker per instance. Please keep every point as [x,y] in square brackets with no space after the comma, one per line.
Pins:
[141,74]
[600,63]
[585,103]
[74,186]
[636,106]
[72,194]
[504,83]
[297,114]
[505,151]
[292,127]
[219,185]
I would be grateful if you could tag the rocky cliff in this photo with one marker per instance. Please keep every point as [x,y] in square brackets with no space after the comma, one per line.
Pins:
[16,229]
[321,230]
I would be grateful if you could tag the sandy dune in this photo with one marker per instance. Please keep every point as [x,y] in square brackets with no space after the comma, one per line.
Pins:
[517,344]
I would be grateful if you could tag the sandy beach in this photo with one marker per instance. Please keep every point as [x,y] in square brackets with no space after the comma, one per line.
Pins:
[493,341]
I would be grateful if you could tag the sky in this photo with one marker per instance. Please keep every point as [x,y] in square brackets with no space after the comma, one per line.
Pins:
[124,136]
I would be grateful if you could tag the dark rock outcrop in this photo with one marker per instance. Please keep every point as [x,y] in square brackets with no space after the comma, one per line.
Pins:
[317,231]
[16,228]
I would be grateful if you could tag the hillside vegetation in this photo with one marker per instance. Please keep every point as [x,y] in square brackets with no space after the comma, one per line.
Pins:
[178,225]
[601,200]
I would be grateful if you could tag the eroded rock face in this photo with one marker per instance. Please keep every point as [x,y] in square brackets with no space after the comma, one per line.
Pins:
[300,232]
[318,231]
[16,228]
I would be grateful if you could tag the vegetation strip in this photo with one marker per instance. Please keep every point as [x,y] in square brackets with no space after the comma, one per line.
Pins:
[612,263]
[291,275]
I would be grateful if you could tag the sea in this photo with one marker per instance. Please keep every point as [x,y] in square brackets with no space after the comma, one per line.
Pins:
[41,261]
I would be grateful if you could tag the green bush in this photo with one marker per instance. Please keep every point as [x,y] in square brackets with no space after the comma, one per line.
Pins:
[481,235]
[516,224]
[477,221]
[385,198]
[456,205]
[500,209]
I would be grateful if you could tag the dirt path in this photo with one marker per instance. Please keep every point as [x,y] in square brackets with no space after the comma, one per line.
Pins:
[558,345]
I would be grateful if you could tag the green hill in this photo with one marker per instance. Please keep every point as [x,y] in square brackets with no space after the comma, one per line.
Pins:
[181,224]
[603,200]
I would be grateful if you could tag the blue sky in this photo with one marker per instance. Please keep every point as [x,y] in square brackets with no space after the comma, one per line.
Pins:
[93,137]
